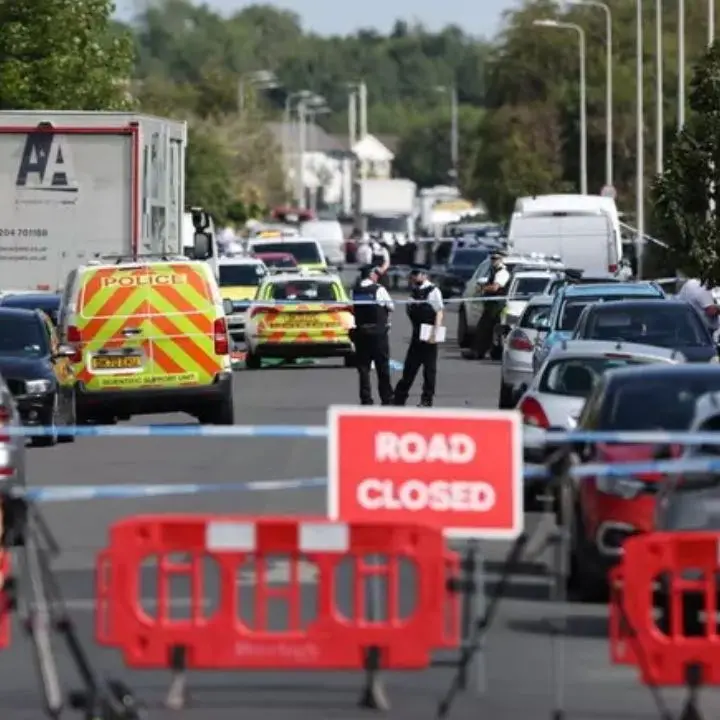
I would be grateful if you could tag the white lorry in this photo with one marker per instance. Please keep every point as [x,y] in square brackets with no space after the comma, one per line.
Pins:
[75,186]
[387,208]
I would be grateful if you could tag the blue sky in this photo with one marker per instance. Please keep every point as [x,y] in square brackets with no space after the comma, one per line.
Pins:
[333,17]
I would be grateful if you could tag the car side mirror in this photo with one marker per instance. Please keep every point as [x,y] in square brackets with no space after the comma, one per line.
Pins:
[202,246]
[228,306]
[64,351]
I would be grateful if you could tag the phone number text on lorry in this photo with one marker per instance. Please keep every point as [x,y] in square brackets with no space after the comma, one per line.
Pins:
[23,232]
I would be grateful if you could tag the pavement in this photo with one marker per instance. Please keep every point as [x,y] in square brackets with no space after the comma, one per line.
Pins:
[518,666]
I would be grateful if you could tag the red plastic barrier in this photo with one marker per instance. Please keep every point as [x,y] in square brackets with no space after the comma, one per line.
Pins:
[224,639]
[664,582]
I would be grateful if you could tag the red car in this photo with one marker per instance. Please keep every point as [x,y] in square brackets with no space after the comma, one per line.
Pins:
[277,260]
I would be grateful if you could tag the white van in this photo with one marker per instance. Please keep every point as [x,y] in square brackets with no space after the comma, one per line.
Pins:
[584,230]
[329,234]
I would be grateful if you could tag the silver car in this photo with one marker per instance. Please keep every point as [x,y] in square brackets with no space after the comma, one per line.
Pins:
[516,369]
[555,398]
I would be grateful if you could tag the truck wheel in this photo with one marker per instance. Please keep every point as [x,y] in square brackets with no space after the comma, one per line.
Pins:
[252,361]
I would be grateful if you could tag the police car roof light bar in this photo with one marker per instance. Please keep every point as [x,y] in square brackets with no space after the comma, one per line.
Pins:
[119,258]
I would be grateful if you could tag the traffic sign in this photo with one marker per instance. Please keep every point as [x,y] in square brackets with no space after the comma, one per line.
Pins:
[459,471]
[609,191]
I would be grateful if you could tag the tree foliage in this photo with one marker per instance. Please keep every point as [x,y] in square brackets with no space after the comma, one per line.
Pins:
[685,193]
[63,55]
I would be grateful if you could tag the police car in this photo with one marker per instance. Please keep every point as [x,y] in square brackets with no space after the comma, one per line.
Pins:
[239,279]
[304,314]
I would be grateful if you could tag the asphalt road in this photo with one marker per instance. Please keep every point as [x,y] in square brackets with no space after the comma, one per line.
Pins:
[518,667]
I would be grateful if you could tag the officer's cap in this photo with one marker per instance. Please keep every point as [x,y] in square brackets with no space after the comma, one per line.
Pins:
[366,271]
[419,269]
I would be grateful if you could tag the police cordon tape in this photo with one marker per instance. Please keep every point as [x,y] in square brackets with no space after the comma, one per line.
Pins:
[70,493]
[320,431]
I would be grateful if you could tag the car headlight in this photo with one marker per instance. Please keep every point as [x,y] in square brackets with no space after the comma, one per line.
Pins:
[623,487]
[37,387]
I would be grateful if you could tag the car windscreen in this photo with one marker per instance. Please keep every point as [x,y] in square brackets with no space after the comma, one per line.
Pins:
[525,287]
[572,307]
[279,262]
[303,252]
[388,224]
[666,403]
[50,305]
[240,275]
[576,377]
[22,336]
[531,314]
[662,325]
[304,291]
[468,258]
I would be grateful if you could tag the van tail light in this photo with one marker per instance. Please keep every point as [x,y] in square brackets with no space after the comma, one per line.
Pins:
[75,338]
[220,337]
[612,268]
[518,340]
[261,310]
[533,414]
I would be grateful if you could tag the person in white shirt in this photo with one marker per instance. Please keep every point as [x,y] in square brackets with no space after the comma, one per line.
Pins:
[699,295]
[363,254]
[497,285]
[372,307]
[380,258]
[425,308]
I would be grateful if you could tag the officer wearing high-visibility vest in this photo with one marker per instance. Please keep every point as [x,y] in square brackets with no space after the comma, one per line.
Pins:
[495,289]
[424,308]
[372,307]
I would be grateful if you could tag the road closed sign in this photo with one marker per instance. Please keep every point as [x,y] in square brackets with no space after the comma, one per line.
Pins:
[455,470]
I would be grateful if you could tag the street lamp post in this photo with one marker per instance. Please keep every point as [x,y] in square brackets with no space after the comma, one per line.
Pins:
[583,93]
[308,106]
[454,130]
[287,121]
[681,63]
[639,142]
[659,92]
[609,171]
[711,22]
[261,79]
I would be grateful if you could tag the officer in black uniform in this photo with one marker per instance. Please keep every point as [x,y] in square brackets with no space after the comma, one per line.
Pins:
[497,285]
[425,308]
[372,306]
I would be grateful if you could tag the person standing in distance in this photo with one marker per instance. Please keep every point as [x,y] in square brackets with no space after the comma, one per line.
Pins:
[425,308]
[495,288]
[380,259]
[372,306]
[699,295]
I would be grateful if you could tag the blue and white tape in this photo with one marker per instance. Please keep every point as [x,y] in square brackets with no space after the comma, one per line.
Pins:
[634,438]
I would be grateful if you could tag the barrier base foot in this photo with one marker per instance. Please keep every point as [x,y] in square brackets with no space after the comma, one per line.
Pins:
[177,697]
[690,712]
[373,697]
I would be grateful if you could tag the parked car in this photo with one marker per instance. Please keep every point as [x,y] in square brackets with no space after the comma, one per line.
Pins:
[602,512]
[516,368]
[460,268]
[48,302]
[673,324]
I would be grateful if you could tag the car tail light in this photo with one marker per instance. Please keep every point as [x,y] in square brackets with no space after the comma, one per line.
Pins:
[518,340]
[612,268]
[533,414]
[220,337]
[75,338]
[5,420]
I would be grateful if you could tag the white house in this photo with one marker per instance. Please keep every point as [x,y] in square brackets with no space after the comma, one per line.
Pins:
[374,158]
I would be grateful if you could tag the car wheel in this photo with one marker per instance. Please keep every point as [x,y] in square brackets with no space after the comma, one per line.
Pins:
[252,361]
[587,578]
[496,352]
[507,398]
[464,338]
[70,421]
[51,421]
[222,414]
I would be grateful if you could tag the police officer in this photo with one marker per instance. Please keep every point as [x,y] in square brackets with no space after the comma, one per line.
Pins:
[496,287]
[425,308]
[372,306]
[381,260]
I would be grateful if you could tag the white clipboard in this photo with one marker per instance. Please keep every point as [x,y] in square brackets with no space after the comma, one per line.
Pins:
[427,331]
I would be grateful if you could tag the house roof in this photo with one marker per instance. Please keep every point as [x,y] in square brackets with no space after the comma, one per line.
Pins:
[370,148]
[317,140]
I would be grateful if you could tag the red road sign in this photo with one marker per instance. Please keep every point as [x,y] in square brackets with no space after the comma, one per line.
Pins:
[455,470]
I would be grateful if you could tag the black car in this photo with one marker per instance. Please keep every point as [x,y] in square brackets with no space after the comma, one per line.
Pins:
[48,302]
[671,324]
[37,370]
[460,269]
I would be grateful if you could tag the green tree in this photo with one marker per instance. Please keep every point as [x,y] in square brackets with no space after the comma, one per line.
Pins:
[684,194]
[63,55]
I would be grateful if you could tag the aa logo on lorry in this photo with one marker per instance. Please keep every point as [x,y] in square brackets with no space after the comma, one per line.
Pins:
[46,173]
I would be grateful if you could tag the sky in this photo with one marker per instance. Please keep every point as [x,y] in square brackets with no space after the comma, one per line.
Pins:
[329,17]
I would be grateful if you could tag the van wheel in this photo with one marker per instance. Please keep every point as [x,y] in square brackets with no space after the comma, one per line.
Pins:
[222,414]
[464,338]
[252,361]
